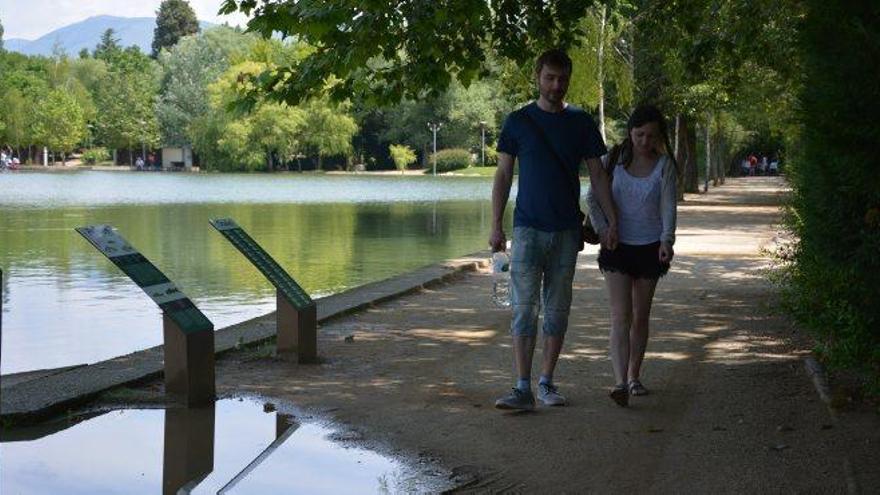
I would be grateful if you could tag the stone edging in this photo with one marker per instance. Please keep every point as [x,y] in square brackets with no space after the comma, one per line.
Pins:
[820,380]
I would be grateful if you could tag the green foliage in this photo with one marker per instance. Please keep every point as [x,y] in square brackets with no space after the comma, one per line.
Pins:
[835,210]
[412,49]
[402,155]
[328,129]
[491,152]
[60,123]
[451,159]
[108,47]
[174,20]
[187,70]
[606,29]
[92,156]
[125,116]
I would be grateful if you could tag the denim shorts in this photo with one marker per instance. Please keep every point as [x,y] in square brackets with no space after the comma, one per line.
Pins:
[539,260]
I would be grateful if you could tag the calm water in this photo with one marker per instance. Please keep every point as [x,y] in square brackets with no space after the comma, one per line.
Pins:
[64,303]
[232,447]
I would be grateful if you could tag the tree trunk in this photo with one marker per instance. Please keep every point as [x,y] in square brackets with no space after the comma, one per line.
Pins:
[688,155]
[115,156]
[130,156]
[708,154]
[678,154]
[320,162]
[63,159]
[601,71]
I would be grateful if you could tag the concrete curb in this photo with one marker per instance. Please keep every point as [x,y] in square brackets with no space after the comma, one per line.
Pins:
[51,392]
[820,380]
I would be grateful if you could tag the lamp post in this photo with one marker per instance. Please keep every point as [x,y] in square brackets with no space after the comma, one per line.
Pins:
[482,143]
[434,126]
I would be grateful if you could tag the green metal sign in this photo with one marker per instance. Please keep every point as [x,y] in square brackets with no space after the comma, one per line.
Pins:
[161,290]
[261,259]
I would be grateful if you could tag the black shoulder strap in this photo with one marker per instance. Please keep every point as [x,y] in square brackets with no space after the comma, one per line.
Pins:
[573,180]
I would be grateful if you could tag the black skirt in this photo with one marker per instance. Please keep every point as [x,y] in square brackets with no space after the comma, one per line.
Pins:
[635,261]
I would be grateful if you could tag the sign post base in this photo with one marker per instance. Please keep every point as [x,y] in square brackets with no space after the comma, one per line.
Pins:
[297,330]
[189,364]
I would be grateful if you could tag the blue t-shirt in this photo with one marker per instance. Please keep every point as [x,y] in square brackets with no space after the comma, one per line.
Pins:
[545,200]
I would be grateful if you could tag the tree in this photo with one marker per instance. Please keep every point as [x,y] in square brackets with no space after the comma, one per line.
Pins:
[187,70]
[174,20]
[402,156]
[413,47]
[277,128]
[603,59]
[125,108]
[60,122]
[108,46]
[328,129]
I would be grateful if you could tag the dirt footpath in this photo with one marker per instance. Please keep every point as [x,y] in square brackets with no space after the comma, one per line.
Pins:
[732,410]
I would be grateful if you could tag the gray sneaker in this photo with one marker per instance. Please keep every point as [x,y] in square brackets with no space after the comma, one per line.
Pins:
[517,400]
[548,395]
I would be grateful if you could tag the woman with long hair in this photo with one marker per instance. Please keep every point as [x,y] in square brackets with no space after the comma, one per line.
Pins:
[643,173]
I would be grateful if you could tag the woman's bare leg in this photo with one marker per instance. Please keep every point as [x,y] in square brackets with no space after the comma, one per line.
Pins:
[642,297]
[619,287]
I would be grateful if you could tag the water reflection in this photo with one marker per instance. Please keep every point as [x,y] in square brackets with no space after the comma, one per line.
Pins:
[189,448]
[233,447]
[65,304]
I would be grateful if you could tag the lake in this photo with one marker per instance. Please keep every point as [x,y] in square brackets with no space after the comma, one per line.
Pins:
[64,303]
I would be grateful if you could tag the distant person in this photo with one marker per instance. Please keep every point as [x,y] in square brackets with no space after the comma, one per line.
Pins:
[774,166]
[139,163]
[4,160]
[744,166]
[551,139]
[643,175]
[762,166]
[151,161]
[14,165]
[753,164]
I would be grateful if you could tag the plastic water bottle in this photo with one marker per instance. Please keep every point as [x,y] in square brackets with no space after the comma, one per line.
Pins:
[501,279]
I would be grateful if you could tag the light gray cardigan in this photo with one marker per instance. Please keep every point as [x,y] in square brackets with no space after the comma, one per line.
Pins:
[668,204]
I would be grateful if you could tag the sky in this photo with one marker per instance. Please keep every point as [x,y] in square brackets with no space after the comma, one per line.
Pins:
[30,19]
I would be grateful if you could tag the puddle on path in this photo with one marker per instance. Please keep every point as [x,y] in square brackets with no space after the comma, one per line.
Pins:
[233,447]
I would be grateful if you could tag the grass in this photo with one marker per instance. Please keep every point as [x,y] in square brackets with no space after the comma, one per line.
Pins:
[477,171]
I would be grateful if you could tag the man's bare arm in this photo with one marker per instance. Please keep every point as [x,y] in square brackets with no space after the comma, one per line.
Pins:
[600,184]
[500,194]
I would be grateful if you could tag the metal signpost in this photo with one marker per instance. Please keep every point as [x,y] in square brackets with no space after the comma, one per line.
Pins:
[188,334]
[296,316]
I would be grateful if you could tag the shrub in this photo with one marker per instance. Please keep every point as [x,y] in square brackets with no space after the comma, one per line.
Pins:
[491,155]
[402,155]
[835,212]
[92,156]
[451,159]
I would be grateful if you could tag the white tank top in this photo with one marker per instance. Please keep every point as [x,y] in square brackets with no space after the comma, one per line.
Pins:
[638,205]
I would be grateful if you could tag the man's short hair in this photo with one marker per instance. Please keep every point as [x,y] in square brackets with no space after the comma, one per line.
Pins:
[554,58]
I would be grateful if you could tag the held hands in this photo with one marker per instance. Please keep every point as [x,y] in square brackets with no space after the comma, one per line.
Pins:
[608,238]
[665,252]
[497,240]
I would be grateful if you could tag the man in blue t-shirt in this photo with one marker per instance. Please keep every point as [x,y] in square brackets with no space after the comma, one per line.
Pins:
[550,138]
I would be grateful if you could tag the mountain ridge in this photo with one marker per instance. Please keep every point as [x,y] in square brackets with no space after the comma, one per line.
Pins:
[87,33]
